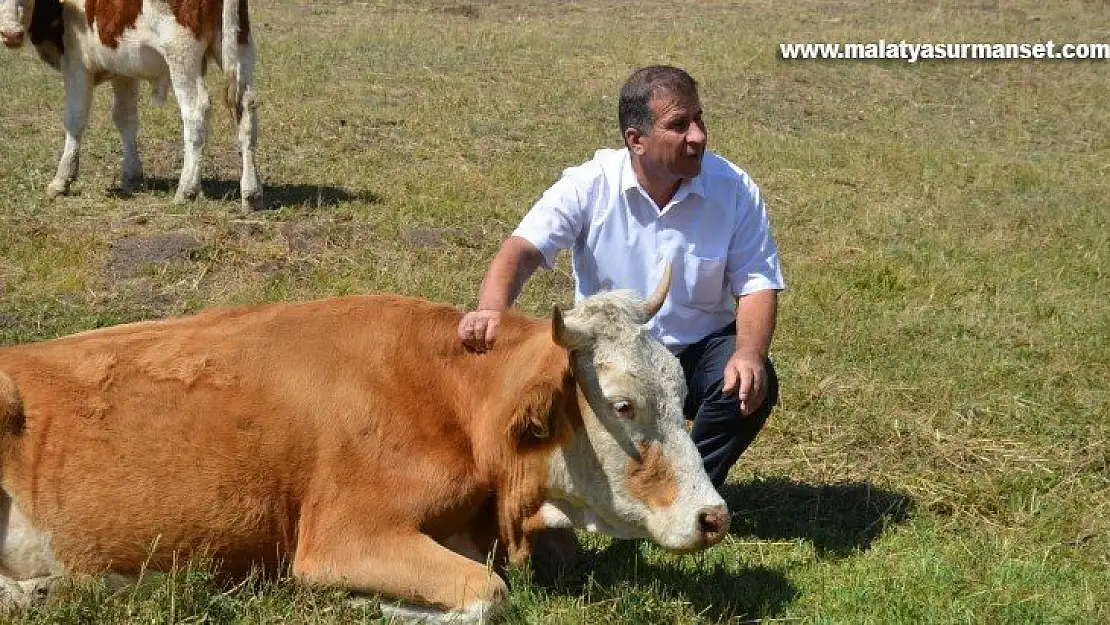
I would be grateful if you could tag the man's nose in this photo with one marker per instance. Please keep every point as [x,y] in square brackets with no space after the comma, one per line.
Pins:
[696,134]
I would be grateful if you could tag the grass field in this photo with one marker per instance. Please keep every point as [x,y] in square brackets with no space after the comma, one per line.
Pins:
[941,451]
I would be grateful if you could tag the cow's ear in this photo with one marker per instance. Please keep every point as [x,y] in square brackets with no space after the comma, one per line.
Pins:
[532,420]
[544,406]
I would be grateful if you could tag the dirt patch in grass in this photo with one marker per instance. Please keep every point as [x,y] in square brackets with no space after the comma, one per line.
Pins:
[434,237]
[129,256]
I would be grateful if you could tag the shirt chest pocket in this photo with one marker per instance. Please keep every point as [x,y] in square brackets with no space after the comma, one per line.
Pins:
[704,280]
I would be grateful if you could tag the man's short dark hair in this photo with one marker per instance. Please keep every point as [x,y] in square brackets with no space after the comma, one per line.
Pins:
[634,110]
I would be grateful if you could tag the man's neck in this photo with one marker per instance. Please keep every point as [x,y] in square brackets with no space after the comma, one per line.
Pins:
[660,190]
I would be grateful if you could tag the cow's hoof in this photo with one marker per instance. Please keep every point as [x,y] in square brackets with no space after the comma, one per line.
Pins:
[477,612]
[184,197]
[20,595]
[55,189]
[12,596]
[37,591]
[252,201]
[130,184]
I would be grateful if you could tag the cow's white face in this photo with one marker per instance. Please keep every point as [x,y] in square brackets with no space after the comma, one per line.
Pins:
[632,470]
[15,19]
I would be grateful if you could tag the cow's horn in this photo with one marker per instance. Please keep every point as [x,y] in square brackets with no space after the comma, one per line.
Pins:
[564,335]
[655,302]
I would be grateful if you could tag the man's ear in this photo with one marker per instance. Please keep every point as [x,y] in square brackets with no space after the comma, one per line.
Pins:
[632,140]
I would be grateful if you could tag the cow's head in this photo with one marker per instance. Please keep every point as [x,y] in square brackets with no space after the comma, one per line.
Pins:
[631,470]
[15,19]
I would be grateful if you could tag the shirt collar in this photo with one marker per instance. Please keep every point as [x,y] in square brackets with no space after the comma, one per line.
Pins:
[690,186]
[628,176]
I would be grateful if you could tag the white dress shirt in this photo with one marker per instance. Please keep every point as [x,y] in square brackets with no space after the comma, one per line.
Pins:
[715,231]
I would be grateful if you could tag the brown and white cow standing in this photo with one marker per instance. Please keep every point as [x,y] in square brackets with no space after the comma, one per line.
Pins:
[354,437]
[165,42]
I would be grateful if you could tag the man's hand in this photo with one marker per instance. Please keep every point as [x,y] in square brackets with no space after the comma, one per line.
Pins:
[746,376]
[516,260]
[478,329]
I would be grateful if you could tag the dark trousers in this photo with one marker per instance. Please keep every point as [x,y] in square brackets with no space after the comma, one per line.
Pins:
[721,432]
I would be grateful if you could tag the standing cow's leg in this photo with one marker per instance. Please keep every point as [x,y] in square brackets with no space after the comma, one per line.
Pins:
[235,47]
[186,62]
[78,88]
[438,584]
[250,187]
[125,114]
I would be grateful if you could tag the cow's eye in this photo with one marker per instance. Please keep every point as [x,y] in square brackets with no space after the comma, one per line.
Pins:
[623,408]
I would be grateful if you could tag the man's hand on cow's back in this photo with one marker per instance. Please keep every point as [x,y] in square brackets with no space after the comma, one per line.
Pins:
[478,329]
[514,263]
[746,377]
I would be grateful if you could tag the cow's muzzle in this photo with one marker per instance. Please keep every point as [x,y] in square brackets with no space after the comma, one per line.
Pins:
[713,524]
[12,39]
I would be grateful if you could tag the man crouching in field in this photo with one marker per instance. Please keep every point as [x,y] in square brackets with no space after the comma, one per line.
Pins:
[664,196]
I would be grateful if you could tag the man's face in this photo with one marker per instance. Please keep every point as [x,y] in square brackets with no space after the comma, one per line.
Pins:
[676,143]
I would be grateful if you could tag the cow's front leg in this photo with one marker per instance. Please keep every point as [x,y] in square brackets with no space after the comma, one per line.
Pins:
[435,583]
[244,107]
[79,88]
[125,114]
[192,96]
[250,187]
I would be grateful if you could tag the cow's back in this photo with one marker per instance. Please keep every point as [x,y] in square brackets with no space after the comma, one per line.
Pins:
[206,432]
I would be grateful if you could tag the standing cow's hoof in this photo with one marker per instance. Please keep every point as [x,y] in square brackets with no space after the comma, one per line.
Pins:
[184,197]
[252,201]
[131,183]
[55,189]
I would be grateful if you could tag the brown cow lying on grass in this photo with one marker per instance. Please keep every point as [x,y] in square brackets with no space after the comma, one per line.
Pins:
[354,437]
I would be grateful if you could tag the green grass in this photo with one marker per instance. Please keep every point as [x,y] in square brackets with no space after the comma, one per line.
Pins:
[941,451]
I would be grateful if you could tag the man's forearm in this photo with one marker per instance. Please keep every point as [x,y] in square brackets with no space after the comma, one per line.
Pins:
[756,314]
[514,264]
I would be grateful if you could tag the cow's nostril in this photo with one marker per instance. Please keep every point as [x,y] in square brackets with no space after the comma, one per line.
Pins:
[713,523]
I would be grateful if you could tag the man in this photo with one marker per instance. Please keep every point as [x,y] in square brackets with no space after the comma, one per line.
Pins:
[623,215]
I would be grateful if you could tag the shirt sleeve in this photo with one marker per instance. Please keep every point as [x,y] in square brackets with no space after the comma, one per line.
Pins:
[753,257]
[555,220]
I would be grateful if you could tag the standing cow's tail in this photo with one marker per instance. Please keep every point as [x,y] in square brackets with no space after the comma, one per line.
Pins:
[12,421]
[237,52]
